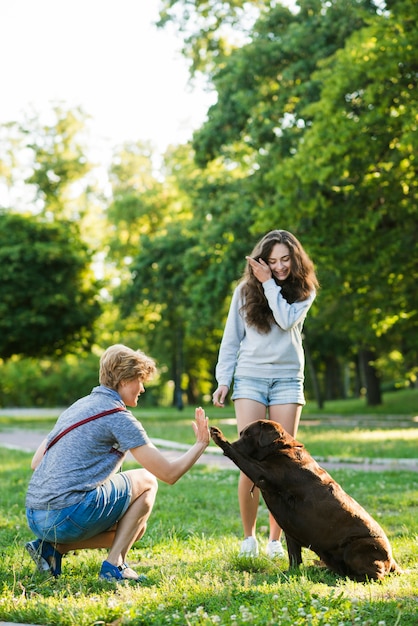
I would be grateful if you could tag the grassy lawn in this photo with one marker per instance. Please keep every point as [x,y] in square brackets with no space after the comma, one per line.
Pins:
[189,550]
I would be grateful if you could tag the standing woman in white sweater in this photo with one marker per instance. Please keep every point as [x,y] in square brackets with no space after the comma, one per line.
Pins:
[262,351]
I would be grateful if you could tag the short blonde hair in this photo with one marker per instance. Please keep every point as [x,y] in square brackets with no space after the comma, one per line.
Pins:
[119,363]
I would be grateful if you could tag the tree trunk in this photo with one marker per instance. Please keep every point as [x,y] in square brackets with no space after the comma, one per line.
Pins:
[334,387]
[314,377]
[178,371]
[370,377]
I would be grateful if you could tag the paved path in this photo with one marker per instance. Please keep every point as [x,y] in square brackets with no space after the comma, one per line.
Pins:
[28,441]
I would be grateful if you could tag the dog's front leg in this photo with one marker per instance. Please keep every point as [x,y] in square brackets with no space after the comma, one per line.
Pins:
[228,449]
[249,467]
[294,551]
[218,437]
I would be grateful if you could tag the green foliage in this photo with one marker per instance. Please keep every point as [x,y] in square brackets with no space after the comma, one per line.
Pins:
[139,201]
[180,268]
[264,85]
[48,300]
[59,160]
[358,198]
[316,111]
[209,27]
[47,383]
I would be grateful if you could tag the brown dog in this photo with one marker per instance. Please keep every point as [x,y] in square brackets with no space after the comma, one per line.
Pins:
[311,507]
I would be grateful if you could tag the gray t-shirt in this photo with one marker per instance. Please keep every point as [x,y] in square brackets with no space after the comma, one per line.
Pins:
[86,456]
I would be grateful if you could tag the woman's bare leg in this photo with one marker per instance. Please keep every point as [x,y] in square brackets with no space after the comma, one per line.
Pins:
[247,411]
[288,415]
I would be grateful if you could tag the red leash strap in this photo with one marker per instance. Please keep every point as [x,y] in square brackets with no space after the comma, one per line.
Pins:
[80,423]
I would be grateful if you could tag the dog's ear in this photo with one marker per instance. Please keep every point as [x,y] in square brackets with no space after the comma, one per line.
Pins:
[271,434]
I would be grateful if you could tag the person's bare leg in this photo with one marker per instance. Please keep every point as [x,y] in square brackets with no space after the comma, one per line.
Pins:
[130,527]
[134,522]
[288,415]
[103,540]
[247,411]
[248,499]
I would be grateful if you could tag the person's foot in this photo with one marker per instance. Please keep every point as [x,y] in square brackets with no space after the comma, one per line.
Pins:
[275,549]
[45,557]
[249,547]
[117,573]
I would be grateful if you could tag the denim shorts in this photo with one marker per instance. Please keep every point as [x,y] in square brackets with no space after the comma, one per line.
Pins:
[269,391]
[97,512]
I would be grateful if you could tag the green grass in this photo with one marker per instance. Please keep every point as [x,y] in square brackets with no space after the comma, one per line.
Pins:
[189,550]
[401,402]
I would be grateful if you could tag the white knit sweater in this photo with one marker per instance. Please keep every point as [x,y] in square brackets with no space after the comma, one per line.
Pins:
[244,351]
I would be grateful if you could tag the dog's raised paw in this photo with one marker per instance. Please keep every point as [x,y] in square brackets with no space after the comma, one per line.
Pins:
[217,435]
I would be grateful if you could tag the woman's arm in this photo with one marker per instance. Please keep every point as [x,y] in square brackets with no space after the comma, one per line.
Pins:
[37,457]
[286,315]
[170,471]
[233,334]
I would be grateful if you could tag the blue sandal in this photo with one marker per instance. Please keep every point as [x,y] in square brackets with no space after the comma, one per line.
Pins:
[45,557]
[114,573]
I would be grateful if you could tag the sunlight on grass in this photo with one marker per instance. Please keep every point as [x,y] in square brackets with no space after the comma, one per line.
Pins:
[383,435]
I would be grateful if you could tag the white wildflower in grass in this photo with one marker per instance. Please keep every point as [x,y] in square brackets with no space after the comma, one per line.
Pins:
[246,614]
[216,619]
[381,623]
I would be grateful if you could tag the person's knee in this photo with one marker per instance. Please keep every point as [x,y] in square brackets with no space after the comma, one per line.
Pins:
[244,480]
[143,482]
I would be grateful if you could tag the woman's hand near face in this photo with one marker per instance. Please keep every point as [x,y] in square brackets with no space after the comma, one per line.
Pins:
[261,270]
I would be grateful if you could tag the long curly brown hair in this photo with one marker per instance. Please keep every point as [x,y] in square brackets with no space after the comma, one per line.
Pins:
[298,285]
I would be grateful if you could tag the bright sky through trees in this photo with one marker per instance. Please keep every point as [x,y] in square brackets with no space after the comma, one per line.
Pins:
[105,56]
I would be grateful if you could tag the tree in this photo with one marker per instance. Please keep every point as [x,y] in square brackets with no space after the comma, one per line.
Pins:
[184,266]
[352,184]
[139,202]
[48,295]
[59,161]
[210,27]
[261,116]
[264,85]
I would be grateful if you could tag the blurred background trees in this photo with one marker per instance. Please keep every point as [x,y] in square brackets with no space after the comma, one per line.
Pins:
[313,131]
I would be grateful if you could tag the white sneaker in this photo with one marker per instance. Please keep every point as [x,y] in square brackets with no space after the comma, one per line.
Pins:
[275,549]
[249,547]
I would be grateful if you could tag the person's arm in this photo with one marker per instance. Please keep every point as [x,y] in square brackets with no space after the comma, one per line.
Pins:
[286,315]
[233,334]
[37,457]
[170,471]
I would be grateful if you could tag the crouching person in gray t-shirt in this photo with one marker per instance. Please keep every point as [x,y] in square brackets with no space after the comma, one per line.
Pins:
[77,497]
